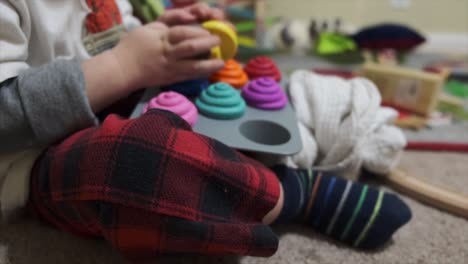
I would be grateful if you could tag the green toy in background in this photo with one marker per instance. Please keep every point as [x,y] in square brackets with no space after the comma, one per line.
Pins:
[459,90]
[148,10]
[334,43]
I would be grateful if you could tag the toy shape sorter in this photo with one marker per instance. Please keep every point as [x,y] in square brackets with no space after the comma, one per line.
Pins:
[253,115]
[251,121]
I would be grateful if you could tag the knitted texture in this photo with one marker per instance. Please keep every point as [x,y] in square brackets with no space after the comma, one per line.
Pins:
[151,186]
[346,121]
[353,213]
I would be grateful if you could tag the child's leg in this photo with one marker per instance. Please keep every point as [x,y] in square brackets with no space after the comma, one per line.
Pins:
[271,216]
[150,186]
[351,212]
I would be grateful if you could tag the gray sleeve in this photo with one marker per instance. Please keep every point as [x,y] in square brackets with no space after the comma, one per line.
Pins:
[42,105]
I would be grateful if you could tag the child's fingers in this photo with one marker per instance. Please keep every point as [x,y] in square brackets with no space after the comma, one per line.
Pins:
[191,69]
[180,33]
[157,26]
[192,47]
[177,17]
[200,10]
[218,14]
[203,12]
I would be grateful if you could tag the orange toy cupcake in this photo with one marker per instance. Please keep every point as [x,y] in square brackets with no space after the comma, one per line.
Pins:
[232,73]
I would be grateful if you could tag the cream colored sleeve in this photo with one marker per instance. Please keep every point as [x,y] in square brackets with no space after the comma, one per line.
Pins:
[15,29]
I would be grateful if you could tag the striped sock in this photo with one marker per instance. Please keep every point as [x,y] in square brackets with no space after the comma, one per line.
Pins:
[354,213]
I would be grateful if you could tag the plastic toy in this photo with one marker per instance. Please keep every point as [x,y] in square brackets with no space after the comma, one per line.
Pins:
[228,47]
[176,103]
[225,116]
[264,93]
[333,43]
[221,101]
[148,10]
[232,73]
[457,88]
[262,67]
[257,130]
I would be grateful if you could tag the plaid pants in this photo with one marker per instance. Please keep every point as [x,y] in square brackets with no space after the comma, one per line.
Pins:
[151,186]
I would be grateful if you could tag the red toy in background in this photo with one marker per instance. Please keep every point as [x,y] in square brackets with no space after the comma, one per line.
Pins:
[104,15]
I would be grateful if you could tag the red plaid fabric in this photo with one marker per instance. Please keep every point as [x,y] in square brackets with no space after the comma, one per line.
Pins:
[151,186]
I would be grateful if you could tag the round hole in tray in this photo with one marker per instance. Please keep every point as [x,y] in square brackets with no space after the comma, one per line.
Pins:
[265,132]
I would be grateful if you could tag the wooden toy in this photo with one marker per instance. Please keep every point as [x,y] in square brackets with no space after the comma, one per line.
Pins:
[406,88]
[431,194]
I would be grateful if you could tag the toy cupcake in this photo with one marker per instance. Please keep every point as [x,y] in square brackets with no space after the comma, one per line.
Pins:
[264,93]
[262,67]
[232,73]
[176,103]
[221,101]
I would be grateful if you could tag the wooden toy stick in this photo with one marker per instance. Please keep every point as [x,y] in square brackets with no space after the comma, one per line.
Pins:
[431,194]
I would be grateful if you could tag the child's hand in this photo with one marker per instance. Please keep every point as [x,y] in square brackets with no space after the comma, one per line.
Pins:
[196,13]
[155,55]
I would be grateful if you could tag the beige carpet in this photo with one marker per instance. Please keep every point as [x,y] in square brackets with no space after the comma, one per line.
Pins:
[431,237]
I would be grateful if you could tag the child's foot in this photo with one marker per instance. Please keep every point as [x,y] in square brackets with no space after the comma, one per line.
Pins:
[354,213]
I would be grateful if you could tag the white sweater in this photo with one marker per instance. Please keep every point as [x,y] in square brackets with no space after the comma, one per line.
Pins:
[37,32]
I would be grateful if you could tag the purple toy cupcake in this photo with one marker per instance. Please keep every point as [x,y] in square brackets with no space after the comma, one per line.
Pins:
[264,93]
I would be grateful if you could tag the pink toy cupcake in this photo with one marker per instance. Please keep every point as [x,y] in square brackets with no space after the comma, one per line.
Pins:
[176,103]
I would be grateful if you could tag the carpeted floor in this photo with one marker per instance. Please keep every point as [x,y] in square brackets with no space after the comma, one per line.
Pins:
[431,237]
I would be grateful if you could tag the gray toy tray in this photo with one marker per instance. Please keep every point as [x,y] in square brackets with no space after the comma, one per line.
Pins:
[272,132]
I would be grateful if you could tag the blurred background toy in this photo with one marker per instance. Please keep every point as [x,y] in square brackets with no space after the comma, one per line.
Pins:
[388,36]
[148,10]
[292,35]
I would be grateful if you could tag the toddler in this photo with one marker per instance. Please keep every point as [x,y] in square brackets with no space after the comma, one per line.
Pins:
[149,185]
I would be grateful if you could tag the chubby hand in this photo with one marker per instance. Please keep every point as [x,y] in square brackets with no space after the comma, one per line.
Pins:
[155,55]
[196,13]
